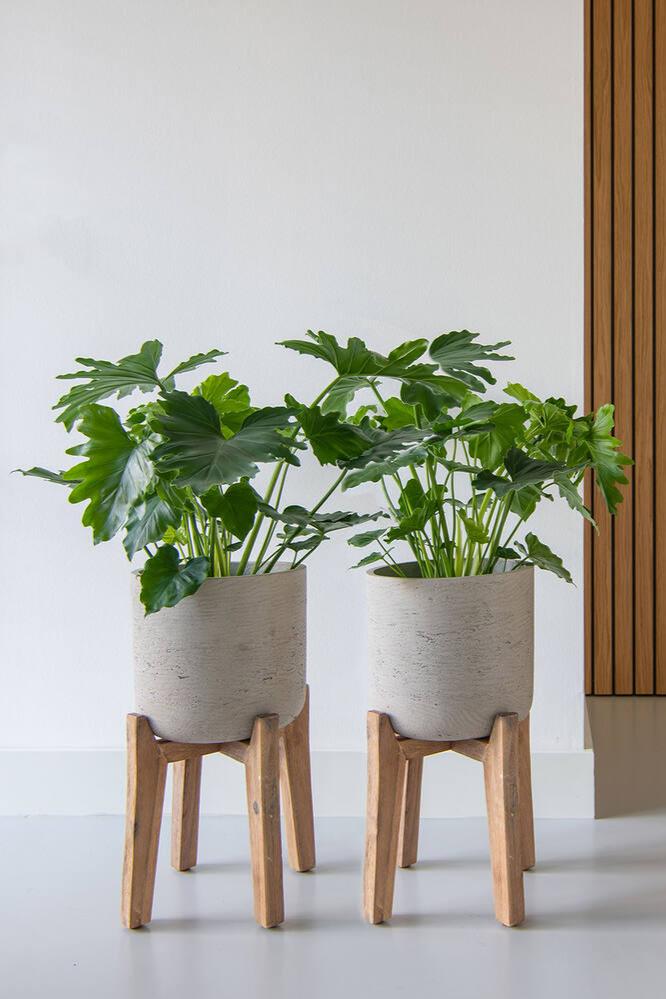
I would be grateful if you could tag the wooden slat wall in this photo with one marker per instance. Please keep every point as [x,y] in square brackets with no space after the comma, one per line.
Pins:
[625,331]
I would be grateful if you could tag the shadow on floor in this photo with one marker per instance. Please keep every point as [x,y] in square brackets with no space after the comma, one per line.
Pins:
[629,740]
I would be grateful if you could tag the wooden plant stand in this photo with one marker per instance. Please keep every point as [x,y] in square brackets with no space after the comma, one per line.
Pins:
[395,768]
[273,758]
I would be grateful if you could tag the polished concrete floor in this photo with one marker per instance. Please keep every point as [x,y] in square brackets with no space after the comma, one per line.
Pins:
[596,923]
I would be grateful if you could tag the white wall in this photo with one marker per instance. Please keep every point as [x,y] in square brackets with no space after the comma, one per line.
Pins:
[230,173]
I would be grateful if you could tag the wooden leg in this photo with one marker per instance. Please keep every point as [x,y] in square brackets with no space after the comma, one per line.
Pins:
[408,838]
[146,775]
[528,855]
[386,773]
[263,808]
[185,813]
[296,784]
[501,780]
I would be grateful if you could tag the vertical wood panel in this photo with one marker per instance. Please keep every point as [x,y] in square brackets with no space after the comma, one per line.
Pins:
[643,348]
[660,338]
[602,272]
[588,240]
[623,576]
[625,337]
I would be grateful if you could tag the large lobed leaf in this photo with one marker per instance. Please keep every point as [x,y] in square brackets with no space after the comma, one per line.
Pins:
[115,475]
[321,523]
[165,580]
[535,552]
[356,358]
[331,439]
[101,379]
[458,354]
[148,522]
[230,399]
[605,455]
[197,453]
[38,472]
[236,507]
[523,472]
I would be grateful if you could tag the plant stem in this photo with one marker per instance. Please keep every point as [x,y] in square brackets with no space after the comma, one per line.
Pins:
[299,530]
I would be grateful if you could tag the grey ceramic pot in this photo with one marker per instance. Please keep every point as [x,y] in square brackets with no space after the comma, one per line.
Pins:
[235,649]
[447,655]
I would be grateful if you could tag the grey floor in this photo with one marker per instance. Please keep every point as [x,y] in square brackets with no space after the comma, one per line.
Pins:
[596,922]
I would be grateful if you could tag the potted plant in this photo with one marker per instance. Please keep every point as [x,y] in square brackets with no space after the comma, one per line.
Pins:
[451,629]
[222,563]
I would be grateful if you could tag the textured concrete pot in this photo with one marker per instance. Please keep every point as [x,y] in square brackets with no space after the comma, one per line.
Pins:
[447,655]
[233,650]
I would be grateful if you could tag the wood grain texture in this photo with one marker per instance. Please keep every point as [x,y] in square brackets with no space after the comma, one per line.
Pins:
[625,349]
[602,319]
[185,813]
[263,809]
[386,767]
[643,348]
[501,781]
[623,388]
[146,776]
[296,785]
[588,580]
[527,846]
[394,797]
[410,812]
[660,342]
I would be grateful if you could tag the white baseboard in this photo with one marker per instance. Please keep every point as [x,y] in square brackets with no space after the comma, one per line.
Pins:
[92,782]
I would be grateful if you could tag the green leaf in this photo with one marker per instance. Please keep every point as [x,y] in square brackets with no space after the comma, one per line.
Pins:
[301,544]
[412,497]
[324,523]
[45,473]
[435,396]
[507,430]
[331,439]
[510,554]
[199,455]
[537,553]
[115,475]
[524,501]
[519,392]
[236,507]
[341,394]
[375,471]
[165,580]
[381,445]
[230,399]
[398,415]
[148,522]
[365,538]
[175,536]
[104,379]
[356,358]
[606,457]
[458,355]
[476,532]
[369,559]
[196,361]
[525,470]
[570,493]
[360,414]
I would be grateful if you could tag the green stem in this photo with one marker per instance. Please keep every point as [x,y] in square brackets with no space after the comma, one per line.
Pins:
[299,530]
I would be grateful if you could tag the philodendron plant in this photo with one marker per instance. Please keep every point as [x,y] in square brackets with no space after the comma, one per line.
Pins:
[174,474]
[463,473]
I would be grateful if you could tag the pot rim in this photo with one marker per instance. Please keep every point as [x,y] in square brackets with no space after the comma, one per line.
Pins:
[280,569]
[376,573]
